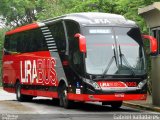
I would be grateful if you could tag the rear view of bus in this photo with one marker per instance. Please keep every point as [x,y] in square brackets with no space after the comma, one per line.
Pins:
[85,57]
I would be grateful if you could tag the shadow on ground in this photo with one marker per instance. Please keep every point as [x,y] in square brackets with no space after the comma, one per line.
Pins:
[88,107]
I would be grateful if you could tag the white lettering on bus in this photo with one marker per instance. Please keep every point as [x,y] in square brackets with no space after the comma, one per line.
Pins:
[104,84]
[21,68]
[28,70]
[53,72]
[39,71]
[99,21]
[34,71]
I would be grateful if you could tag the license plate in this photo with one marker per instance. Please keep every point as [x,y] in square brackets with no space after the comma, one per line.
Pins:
[119,95]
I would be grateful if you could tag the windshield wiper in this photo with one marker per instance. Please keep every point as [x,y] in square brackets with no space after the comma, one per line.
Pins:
[122,57]
[110,62]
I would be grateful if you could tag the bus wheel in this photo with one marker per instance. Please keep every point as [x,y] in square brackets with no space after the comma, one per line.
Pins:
[27,97]
[116,104]
[19,96]
[55,101]
[63,100]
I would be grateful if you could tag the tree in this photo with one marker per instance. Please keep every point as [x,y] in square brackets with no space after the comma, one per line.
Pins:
[54,8]
[19,12]
[2,33]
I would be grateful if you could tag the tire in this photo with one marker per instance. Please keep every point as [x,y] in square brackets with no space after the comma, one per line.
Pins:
[20,97]
[27,97]
[55,101]
[116,104]
[63,100]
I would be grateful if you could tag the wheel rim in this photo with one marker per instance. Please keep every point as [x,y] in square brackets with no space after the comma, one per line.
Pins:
[64,97]
[18,92]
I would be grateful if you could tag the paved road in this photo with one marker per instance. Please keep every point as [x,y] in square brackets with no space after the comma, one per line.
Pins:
[45,109]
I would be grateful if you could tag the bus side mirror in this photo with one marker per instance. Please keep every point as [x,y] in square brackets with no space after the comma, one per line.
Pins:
[153,44]
[82,42]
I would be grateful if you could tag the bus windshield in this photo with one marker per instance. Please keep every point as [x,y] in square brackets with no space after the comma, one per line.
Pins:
[114,51]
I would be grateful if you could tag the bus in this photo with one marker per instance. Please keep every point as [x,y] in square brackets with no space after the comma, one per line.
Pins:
[96,57]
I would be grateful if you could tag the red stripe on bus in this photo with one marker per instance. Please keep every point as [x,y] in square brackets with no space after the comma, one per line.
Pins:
[124,44]
[113,97]
[40,93]
[11,90]
[23,28]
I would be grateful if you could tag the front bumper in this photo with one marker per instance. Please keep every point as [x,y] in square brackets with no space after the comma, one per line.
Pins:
[109,97]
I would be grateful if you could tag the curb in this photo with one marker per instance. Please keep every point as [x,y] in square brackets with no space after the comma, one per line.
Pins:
[143,107]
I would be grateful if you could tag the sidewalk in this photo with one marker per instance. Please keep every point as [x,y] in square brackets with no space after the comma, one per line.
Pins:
[147,105]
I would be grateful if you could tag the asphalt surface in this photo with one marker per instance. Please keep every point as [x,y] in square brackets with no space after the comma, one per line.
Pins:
[42,108]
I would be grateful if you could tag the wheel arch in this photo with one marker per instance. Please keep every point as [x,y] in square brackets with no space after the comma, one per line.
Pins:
[17,81]
[62,82]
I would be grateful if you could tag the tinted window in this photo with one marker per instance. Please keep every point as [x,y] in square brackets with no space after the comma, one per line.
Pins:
[75,57]
[10,45]
[57,31]
[27,41]
[35,41]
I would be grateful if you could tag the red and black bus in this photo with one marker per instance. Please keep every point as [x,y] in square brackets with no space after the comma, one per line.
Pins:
[77,57]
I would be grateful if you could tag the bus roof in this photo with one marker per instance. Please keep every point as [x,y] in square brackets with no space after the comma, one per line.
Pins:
[23,28]
[95,18]
[84,18]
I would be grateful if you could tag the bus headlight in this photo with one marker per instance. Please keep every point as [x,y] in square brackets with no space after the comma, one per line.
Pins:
[92,83]
[141,84]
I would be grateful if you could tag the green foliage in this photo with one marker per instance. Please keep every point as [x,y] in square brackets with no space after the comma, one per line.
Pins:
[128,8]
[50,9]
[87,6]
[148,2]
[2,33]
[19,12]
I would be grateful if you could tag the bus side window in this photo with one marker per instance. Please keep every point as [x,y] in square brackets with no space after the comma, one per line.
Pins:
[20,43]
[57,31]
[39,40]
[27,41]
[33,44]
[6,45]
[72,29]
[10,46]
[23,42]
[32,41]
[75,56]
